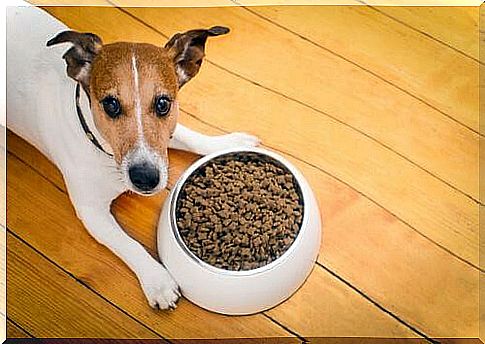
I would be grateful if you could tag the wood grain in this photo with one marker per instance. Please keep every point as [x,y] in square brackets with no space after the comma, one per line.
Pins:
[49,303]
[434,209]
[455,27]
[13,331]
[98,268]
[405,58]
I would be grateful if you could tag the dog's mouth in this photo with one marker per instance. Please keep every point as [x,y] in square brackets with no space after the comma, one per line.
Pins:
[151,192]
[146,193]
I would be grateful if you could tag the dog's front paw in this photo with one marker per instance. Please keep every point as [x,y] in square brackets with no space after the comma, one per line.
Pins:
[233,140]
[159,287]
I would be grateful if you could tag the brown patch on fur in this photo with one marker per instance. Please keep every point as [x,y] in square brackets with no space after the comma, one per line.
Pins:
[78,58]
[187,50]
[112,75]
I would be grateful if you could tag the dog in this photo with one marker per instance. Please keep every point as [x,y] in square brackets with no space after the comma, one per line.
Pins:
[108,124]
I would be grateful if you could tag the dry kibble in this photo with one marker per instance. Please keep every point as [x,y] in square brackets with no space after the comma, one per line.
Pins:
[239,213]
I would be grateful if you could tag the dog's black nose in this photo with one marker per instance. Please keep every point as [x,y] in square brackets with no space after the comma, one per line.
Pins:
[144,176]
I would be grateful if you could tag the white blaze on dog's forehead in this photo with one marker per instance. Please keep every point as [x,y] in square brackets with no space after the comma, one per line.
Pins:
[136,81]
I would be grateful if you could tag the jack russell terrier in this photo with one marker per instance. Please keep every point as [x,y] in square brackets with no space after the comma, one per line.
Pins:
[108,126]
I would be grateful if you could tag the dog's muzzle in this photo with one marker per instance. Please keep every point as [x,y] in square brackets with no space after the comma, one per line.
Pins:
[144,176]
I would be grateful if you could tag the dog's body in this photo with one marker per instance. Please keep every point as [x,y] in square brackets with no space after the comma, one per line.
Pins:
[41,108]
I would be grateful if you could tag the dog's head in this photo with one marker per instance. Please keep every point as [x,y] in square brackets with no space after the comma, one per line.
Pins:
[133,90]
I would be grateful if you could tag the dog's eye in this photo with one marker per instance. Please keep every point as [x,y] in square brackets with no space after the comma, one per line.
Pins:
[162,106]
[111,106]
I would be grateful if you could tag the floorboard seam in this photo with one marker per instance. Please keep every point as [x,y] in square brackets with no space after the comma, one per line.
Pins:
[286,328]
[301,36]
[357,130]
[16,156]
[20,327]
[376,304]
[321,112]
[85,285]
[424,33]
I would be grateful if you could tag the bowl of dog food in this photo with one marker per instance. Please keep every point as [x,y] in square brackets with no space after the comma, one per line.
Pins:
[240,231]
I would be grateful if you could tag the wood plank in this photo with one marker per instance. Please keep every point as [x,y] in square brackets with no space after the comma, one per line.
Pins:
[49,303]
[358,236]
[33,157]
[98,268]
[311,314]
[321,80]
[406,58]
[13,331]
[454,26]
[438,212]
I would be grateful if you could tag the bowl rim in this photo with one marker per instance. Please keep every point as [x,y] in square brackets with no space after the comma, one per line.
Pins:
[192,168]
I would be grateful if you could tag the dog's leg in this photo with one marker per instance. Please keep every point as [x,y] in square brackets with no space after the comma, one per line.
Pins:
[157,284]
[186,139]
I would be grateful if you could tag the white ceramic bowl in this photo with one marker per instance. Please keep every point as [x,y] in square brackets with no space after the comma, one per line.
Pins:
[240,292]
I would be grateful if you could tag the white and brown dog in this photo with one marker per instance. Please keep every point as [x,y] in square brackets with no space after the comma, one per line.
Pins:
[108,126]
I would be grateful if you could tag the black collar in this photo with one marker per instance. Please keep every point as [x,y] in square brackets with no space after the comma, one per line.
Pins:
[87,131]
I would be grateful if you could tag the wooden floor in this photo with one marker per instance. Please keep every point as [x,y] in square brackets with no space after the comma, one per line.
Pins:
[378,107]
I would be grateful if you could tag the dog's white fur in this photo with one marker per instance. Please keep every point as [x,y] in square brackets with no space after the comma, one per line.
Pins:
[41,109]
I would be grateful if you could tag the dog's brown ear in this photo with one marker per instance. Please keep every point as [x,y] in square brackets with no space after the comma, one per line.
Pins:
[80,56]
[187,51]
